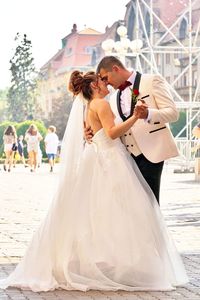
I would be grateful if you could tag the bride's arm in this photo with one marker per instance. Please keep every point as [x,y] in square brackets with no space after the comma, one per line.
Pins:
[106,118]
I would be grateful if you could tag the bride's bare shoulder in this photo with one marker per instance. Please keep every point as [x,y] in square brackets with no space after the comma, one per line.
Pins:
[99,103]
[102,102]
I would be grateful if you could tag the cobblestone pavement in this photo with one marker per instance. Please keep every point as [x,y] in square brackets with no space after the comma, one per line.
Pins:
[25,197]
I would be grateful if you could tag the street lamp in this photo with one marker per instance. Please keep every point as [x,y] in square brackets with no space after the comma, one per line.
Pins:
[124,47]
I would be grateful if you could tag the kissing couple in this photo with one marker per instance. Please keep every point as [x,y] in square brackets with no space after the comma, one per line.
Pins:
[104,229]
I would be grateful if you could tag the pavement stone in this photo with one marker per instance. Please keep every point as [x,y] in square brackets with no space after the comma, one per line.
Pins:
[26,196]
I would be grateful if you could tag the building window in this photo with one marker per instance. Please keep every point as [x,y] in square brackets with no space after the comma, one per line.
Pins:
[182,30]
[176,55]
[147,23]
[158,59]
[94,58]
[167,58]
[194,78]
[89,50]
[131,22]
[185,80]
[69,51]
[175,77]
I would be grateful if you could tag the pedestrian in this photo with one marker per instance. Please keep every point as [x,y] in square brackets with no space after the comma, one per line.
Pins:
[33,138]
[20,150]
[51,145]
[10,146]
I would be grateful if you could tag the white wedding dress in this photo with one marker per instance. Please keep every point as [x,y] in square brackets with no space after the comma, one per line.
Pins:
[104,231]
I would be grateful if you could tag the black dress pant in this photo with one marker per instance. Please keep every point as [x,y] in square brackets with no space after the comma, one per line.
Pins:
[151,172]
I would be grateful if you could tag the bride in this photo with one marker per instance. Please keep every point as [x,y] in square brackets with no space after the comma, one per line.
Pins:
[104,229]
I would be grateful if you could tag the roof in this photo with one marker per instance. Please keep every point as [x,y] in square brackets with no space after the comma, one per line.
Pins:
[56,57]
[89,31]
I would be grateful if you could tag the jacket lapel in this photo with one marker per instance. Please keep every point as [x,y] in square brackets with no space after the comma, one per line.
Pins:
[119,106]
[135,86]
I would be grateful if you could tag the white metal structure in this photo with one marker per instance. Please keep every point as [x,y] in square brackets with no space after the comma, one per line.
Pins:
[153,49]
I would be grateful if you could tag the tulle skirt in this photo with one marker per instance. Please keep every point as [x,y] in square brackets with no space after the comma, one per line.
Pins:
[106,232]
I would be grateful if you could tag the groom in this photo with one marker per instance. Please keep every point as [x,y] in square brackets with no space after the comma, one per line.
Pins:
[149,141]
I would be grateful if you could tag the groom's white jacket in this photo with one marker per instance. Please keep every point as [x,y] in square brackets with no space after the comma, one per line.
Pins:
[153,138]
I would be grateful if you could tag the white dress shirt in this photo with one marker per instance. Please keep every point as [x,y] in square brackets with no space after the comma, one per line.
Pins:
[126,98]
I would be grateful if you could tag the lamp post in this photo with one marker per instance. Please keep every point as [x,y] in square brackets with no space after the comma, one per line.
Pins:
[124,47]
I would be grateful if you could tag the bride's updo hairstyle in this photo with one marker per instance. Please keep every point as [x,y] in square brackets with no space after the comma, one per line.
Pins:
[80,83]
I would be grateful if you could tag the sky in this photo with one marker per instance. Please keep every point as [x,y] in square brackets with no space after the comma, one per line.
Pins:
[46,22]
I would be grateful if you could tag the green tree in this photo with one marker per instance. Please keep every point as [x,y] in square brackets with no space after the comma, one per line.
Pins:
[60,112]
[3,104]
[23,81]
[176,127]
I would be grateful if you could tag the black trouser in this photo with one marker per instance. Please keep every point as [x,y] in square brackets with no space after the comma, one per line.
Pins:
[151,172]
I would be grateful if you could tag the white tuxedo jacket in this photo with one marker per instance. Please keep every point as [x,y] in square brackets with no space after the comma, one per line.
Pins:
[154,138]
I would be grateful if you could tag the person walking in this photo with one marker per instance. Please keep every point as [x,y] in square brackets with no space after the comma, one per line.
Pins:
[20,150]
[10,146]
[51,146]
[33,138]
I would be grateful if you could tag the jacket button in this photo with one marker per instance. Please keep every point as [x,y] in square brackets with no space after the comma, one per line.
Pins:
[129,133]
[127,146]
[131,145]
[125,135]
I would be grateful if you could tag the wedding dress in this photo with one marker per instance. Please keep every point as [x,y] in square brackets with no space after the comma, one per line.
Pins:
[104,230]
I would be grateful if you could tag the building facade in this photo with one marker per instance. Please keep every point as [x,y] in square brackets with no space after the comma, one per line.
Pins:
[163,26]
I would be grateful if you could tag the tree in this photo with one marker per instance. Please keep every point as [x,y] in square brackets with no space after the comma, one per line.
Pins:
[177,126]
[21,93]
[60,113]
[3,104]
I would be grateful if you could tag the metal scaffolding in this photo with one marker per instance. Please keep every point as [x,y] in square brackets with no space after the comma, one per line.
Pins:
[185,54]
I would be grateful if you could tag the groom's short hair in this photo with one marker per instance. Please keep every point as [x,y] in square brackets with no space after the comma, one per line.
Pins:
[108,62]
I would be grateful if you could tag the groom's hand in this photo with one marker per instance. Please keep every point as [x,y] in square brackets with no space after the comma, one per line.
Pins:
[88,133]
[141,110]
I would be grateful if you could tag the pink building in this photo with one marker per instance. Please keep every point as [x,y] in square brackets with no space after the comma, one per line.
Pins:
[79,51]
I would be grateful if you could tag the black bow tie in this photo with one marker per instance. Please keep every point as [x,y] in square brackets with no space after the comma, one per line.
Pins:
[124,85]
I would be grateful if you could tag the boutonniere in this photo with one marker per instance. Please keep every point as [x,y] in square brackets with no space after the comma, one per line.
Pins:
[134,95]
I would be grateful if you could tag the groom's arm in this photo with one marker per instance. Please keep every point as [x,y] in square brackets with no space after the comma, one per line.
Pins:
[165,111]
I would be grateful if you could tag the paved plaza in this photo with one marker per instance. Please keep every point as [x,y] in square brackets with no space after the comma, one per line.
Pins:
[25,198]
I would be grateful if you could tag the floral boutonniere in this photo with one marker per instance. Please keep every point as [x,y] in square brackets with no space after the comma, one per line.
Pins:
[134,95]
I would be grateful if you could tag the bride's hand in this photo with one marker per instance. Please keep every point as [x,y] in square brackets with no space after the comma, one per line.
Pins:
[141,110]
[88,133]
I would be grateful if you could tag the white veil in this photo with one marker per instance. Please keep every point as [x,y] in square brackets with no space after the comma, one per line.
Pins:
[55,234]
[73,140]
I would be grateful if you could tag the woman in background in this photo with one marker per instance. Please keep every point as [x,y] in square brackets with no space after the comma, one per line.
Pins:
[51,146]
[20,151]
[10,146]
[33,138]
